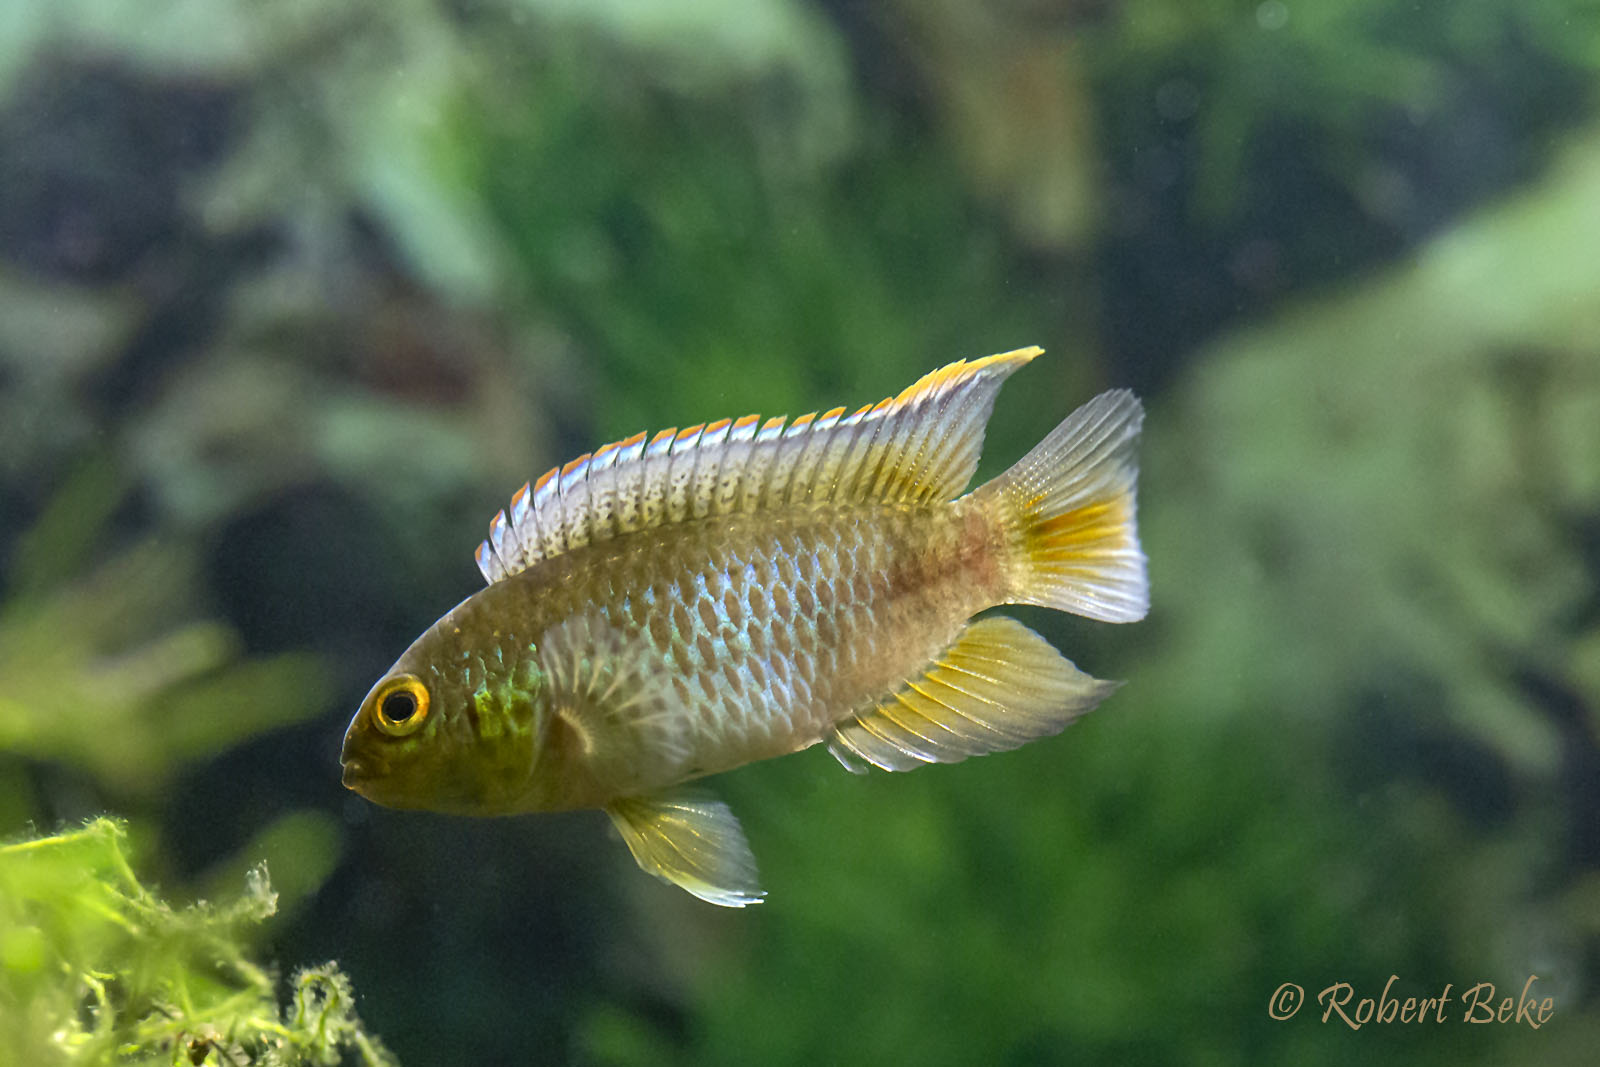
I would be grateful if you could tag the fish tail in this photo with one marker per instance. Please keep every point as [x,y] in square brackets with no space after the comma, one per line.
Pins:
[1068,510]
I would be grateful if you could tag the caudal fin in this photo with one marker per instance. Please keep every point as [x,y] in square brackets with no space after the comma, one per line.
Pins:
[1069,508]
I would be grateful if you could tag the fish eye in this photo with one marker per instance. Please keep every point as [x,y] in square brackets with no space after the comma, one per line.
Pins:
[401,705]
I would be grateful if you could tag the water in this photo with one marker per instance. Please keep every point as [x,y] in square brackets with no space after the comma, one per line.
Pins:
[294,298]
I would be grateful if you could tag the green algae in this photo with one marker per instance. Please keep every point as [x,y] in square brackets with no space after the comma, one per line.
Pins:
[95,968]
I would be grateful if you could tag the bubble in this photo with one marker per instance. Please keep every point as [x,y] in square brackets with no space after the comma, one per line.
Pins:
[1272,15]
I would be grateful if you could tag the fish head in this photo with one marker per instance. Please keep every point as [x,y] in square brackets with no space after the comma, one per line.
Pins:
[437,731]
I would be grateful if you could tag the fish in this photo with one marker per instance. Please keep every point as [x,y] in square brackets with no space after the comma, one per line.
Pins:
[667,608]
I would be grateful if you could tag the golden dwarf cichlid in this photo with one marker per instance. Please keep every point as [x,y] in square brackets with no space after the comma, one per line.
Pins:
[661,611]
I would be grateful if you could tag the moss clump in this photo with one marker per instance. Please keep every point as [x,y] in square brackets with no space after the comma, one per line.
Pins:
[95,968]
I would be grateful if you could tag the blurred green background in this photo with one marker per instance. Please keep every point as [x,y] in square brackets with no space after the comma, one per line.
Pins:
[295,293]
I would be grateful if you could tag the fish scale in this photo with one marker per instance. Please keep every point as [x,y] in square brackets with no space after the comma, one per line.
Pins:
[673,606]
[765,668]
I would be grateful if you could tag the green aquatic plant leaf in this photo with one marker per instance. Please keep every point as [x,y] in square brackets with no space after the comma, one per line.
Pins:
[95,968]
[112,674]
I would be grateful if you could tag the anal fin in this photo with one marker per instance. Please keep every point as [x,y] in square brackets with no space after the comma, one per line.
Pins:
[999,686]
[692,840]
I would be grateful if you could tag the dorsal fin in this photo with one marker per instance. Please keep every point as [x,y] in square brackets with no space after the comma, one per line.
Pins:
[917,447]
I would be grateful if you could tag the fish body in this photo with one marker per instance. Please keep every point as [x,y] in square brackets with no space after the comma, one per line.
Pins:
[658,612]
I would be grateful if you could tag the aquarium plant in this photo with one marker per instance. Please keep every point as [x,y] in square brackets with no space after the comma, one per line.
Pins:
[96,968]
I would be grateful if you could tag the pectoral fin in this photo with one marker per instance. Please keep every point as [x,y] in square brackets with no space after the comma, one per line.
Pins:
[608,691]
[691,840]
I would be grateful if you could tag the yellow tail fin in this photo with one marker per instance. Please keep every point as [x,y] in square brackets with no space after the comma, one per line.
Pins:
[1069,508]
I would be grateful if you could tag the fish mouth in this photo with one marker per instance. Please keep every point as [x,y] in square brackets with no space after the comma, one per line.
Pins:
[359,772]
